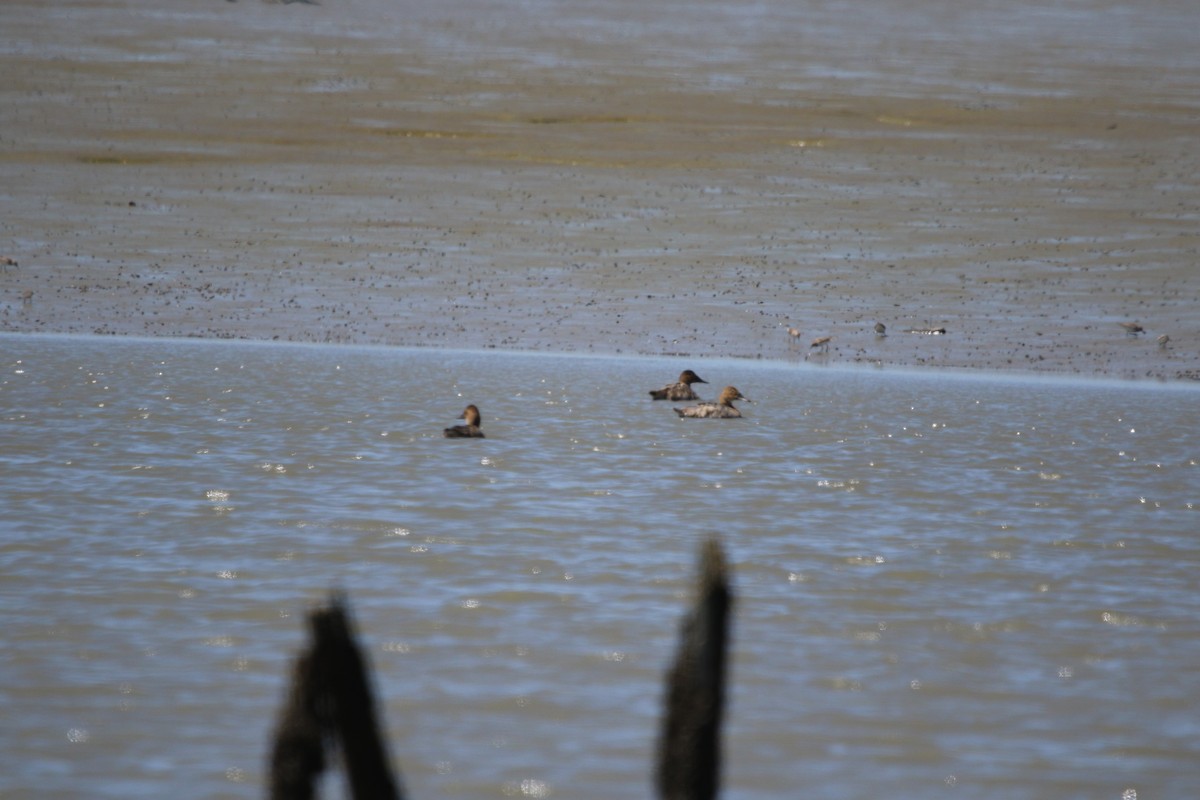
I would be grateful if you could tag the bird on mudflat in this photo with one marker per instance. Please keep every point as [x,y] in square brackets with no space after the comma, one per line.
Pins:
[880,329]
[471,430]
[681,389]
[721,409]
[1132,328]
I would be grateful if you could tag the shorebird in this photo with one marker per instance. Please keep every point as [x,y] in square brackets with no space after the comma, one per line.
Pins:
[1163,341]
[722,409]
[880,329]
[8,261]
[1132,328]
[681,389]
[821,343]
[472,430]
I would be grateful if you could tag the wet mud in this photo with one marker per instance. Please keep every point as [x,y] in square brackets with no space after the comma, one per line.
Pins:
[706,179]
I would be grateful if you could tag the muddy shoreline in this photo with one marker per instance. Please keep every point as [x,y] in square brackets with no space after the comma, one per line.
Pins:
[262,171]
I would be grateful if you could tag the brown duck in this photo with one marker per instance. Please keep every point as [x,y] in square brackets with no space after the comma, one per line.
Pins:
[471,430]
[681,389]
[722,409]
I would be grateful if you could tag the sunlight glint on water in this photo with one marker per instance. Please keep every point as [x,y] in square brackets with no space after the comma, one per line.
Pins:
[962,581]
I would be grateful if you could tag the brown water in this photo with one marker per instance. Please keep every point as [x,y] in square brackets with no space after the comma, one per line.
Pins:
[612,177]
[977,586]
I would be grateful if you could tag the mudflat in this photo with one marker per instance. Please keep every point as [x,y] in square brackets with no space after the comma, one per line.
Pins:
[700,179]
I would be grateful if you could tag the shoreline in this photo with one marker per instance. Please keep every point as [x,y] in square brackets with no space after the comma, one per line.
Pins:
[850,368]
[1118,356]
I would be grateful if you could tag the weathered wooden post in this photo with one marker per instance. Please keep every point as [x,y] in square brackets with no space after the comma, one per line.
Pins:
[331,703]
[689,747]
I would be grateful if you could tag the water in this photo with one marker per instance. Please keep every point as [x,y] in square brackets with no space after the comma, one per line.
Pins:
[941,581]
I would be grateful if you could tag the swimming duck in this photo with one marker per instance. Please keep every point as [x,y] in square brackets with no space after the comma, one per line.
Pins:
[471,430]
[681,390]
[722,409]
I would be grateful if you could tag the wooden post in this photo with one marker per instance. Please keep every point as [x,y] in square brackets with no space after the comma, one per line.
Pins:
[689,749]
[331,703]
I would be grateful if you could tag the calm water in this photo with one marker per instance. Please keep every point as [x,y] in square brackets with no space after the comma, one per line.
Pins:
[941,582]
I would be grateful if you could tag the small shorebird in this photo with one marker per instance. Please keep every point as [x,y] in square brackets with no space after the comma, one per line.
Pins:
[471,430]
[1163,341]
[8,261]
[681,389]
[1132,328]
[722,409]
[821,343]
[794,333]
[880,329]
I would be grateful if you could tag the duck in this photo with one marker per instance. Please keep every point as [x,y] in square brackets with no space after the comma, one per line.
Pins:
[681,389]
[722,409]
[471,430]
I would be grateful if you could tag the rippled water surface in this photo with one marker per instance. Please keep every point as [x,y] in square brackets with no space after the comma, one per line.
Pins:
[941,581]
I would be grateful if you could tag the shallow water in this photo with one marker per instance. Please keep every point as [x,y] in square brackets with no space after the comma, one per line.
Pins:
[940,581]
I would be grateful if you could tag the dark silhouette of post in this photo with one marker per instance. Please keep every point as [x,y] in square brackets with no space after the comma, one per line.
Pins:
[330,702]
[689,747]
